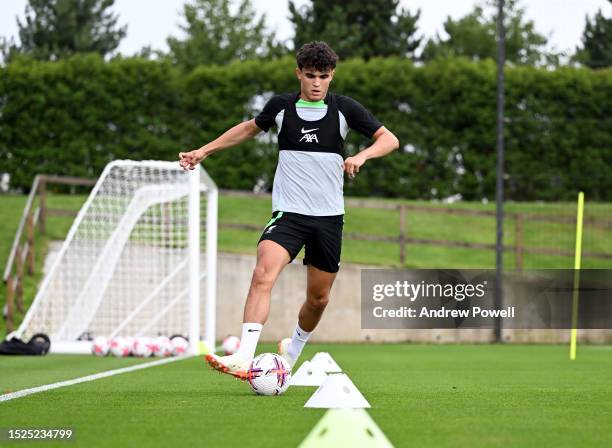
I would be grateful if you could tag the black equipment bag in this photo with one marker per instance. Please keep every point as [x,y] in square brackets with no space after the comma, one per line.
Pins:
[39,344]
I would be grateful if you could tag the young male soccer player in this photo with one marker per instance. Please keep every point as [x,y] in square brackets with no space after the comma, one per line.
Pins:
[307,195]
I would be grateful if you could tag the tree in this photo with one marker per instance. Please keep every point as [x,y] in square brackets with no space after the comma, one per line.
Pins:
[7,48]
[596,51]
[216,36]
[474,36]
[354,28]
[56,29]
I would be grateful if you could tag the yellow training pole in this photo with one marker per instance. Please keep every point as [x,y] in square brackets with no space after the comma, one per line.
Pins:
[577,257]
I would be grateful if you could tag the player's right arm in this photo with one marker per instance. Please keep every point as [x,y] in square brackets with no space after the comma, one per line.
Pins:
[232,137]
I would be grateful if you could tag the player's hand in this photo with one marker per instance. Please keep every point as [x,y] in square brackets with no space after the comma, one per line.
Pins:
[189,160]
[352,165]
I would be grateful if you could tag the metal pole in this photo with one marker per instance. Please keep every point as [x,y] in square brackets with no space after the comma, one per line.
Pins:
[499,265]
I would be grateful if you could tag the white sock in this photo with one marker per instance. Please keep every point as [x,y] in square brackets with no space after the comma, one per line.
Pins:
[298,341]
[248,341]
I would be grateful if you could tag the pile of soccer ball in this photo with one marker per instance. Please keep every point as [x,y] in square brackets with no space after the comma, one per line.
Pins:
[141,347]
[269,373]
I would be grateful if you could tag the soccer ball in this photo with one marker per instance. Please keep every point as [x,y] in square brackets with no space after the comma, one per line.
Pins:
[119,347]
[179,345]
[162,346]
[100,346]
[129,341]
[142,347]
[230,345]
[269,374]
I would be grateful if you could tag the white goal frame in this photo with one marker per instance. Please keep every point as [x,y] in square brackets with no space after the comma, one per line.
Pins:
[81,313]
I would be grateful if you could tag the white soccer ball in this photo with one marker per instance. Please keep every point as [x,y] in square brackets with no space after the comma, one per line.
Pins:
[269,374]
[230,345]
[162,346]
[129,341]
[119,347]
[179,345]
[142,347]
[100,346]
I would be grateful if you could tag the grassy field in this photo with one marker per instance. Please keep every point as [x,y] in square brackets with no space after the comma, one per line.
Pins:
[474,229]
[471,229]
[421,396]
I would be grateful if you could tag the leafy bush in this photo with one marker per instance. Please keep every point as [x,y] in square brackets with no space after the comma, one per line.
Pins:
[72,117]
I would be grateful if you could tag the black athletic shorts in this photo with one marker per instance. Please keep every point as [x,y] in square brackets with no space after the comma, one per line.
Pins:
[322,236]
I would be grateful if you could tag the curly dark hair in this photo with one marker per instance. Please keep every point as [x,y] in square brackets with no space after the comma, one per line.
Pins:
[317,55]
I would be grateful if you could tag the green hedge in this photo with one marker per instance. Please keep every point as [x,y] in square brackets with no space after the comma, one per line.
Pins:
[72,117]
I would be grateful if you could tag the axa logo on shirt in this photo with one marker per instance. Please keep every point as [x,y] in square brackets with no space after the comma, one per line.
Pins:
[308,136]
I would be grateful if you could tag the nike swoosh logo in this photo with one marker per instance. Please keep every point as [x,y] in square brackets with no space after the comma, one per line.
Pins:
[306,131]
[250,330]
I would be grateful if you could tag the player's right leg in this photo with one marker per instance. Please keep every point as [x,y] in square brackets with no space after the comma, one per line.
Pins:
[271,259]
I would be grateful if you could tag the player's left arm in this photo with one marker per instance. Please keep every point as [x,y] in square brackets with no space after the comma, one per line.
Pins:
[384,143]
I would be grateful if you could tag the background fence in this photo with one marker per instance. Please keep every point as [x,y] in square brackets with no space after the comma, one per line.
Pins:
[536,236]
[414,234]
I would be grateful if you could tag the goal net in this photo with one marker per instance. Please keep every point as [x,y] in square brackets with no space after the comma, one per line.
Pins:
[131,264]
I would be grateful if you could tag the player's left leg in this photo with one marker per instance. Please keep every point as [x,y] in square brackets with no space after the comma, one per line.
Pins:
[319,284]
[318,287]
[323,260]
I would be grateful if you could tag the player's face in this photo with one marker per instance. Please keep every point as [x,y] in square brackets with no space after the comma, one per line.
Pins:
[314,84]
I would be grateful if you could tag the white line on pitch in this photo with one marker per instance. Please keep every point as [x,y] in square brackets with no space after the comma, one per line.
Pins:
[84,379]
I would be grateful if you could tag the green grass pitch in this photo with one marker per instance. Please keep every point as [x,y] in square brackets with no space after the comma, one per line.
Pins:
[421,396]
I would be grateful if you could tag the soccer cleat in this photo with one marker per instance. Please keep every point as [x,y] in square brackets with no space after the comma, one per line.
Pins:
[233,365]
[283,350]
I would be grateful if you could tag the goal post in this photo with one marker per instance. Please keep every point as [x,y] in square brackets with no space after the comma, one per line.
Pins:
[132,263]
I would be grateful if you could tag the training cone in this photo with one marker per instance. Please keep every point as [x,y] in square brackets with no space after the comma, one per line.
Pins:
[308,375]
[346,427]
[326,362]
[202,348]
[337,391]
